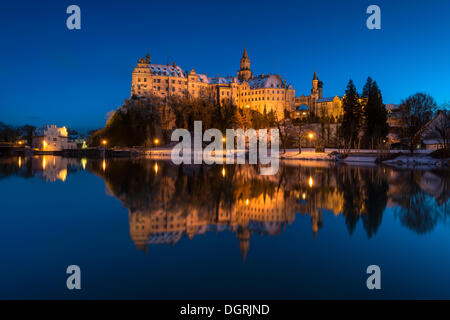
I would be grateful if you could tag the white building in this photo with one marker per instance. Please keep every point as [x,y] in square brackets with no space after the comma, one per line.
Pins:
[52,138]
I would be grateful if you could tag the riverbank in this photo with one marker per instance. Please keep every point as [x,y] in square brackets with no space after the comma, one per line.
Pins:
[420,158]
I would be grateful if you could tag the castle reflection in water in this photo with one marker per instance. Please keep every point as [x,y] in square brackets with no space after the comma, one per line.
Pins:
[167,202]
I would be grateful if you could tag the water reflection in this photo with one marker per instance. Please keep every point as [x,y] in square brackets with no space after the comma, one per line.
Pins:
[166,202]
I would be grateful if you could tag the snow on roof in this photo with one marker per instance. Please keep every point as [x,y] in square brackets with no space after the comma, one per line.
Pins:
[165,70]
[222,80]
[390,106]
[327,99]
[269,81]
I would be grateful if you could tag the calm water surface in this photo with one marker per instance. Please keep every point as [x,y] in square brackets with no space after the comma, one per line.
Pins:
[149,229]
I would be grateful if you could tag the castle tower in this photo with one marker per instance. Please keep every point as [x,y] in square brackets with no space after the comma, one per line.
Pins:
[243,234]
[315,85]
[245,72]
[141,77]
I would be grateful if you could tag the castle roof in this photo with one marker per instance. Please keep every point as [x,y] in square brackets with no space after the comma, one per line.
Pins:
[268,81]
[245,55]
[327,99]
[165,70]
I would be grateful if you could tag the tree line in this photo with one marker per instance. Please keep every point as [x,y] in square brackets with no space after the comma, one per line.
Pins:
[142,121]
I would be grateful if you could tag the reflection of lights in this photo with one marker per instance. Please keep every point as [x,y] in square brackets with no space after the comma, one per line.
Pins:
[223,172]
[303,196]
[62,175]
[310,182]
[156,167]
[246,202]
[44,163]
[83,163]
[19,162]
[104,165]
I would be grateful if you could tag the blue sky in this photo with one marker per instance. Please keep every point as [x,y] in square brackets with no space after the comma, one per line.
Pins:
[54,75]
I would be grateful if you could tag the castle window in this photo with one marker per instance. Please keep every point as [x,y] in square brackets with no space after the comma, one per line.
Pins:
[145,79]
[139,79]
[173,81]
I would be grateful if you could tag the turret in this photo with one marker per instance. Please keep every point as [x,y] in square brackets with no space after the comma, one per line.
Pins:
[245,72]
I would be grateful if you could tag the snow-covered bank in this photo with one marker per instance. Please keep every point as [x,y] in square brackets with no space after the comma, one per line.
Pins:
[355,156]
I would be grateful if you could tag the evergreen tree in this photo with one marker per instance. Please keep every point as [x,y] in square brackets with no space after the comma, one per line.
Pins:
[375,117]
[367,87]
[353,116]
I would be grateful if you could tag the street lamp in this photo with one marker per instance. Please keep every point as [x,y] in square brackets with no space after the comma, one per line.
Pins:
[156,141]
[104,143]
[310,137]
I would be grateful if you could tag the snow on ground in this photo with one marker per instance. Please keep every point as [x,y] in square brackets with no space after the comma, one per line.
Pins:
[355,156]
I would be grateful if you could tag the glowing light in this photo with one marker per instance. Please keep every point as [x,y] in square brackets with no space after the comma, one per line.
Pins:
[156,167]
[156,141]
[62,175]
[44,143]
[224,139]
[104,165]
[246,202]
[223,172]
[104,142]
[310,182]
[44,163]
[310,135]
[247,106]
[83,163]
[20,162]
[303,196]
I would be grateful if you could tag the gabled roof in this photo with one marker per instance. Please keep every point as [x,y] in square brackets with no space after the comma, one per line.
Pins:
[166,70]
[266,82]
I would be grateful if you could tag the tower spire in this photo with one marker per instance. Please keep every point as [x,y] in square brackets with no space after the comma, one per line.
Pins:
[245,55]
[315,76]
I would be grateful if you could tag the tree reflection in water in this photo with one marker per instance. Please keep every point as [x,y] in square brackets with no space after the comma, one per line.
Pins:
[178,200]
[166,202]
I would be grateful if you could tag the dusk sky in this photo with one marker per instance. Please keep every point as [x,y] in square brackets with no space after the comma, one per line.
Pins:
[52,75]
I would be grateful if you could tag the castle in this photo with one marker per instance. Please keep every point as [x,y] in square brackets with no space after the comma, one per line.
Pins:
[262,93]
[318,105]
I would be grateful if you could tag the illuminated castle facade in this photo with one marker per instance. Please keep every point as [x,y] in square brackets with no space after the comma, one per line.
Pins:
[316,104]
[263,92]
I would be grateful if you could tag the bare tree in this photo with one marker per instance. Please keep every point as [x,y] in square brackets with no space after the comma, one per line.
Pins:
[442,128]
[415,112]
